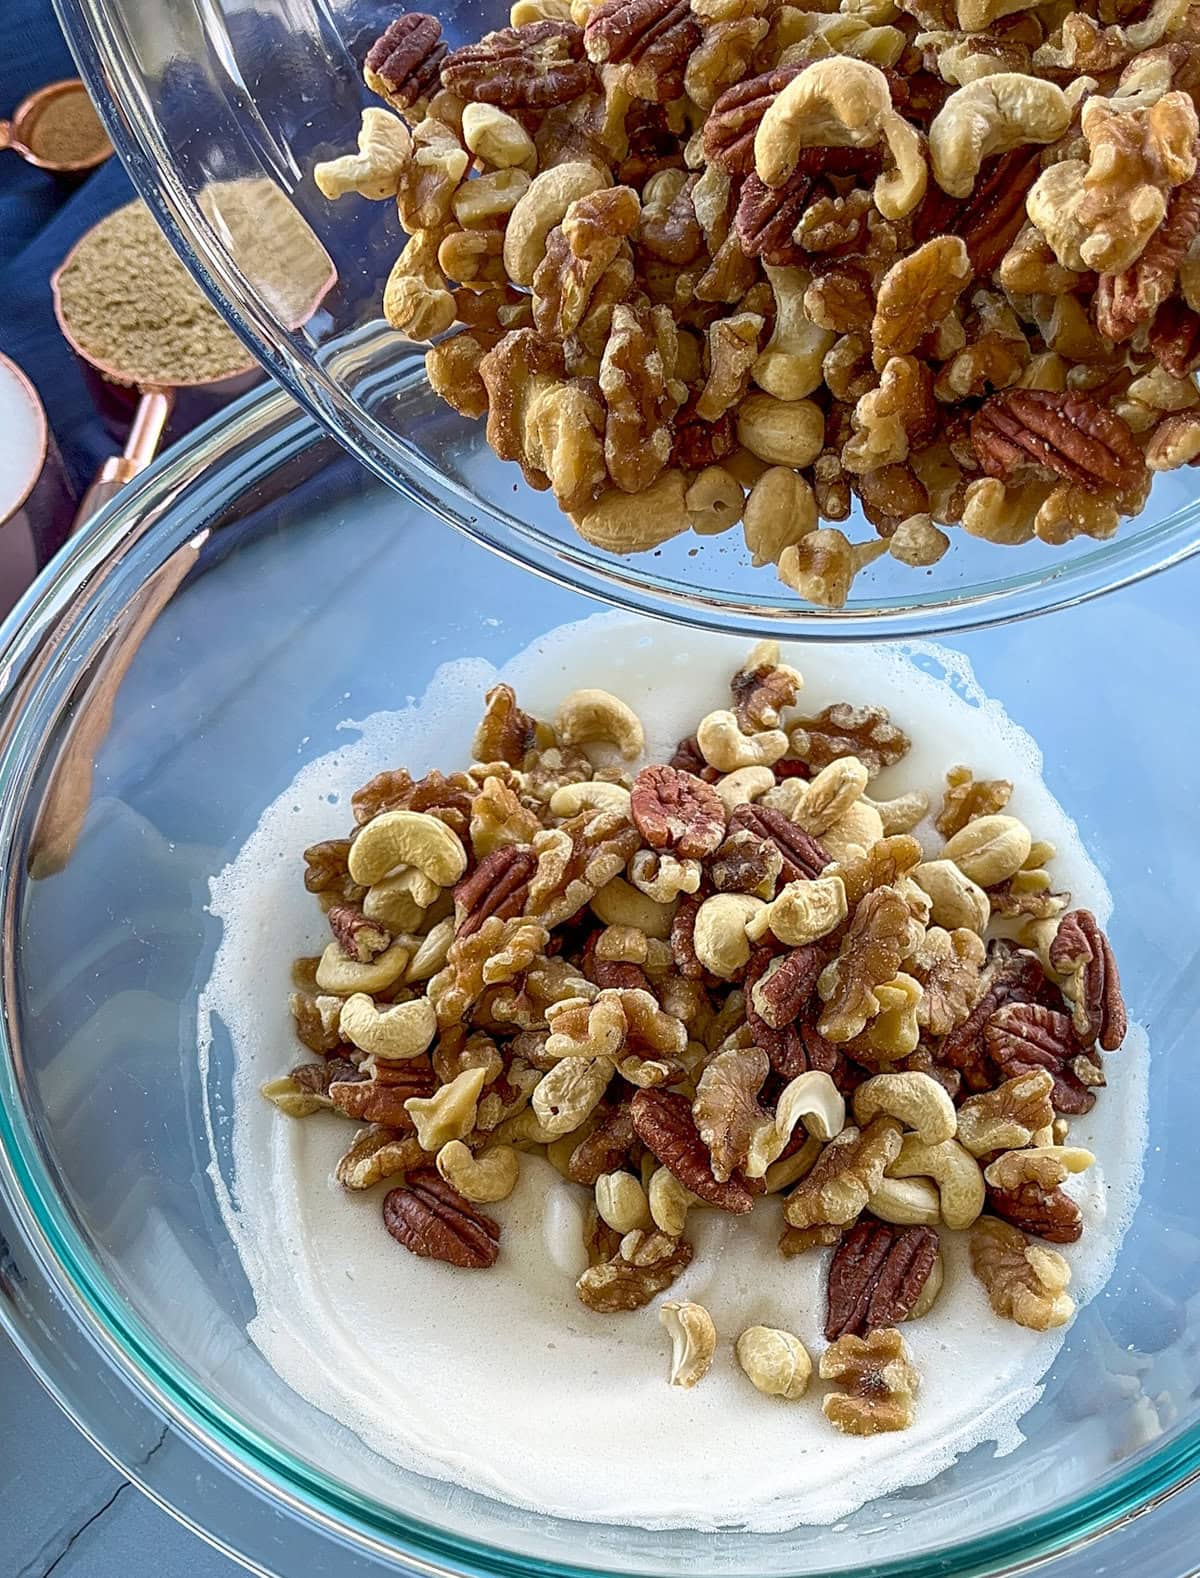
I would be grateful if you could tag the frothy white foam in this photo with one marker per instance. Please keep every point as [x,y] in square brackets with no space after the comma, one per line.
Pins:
[502,1381]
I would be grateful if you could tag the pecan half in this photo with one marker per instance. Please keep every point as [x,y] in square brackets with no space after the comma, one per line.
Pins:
[530,68]
[645,1264]
[993,214]
[1025,1036]
[403,63]
[1046,1213]
[782,992]
[1175,339]
[766,217]
[664,1124]
[803,857]
[876,1276]
[683,935]
[688,758]
[1081,954]
[1010,976]
[605,1148]
[446,796]
[846,730]
[674,810]
[652,37]
[381,1099]
[499,886]
[1068,435]
[430,1218]
[1124,302]
[731,126]
[784,1048]
[507,733]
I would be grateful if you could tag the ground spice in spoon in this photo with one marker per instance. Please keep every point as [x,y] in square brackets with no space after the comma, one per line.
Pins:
[132,307]
[66,129]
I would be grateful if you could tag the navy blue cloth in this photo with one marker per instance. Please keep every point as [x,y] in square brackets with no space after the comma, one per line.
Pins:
[41,217]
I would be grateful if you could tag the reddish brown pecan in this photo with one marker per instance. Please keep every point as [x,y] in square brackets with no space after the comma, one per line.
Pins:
[876,1276]
[403,63]
[316,1078]
[990,218]
[653,146]
[605,1148]
[782,992]
[1046,1213]
[1175,339]
[674,810]
[766,216]
[730,128]
[381,1099]
[687,758]
[506,732]
[802,856]
[1025,1036]
[1124,302]
[531,68]
[791,767]
[359,938]
[1081,953]
[433,1220]
[1010,976]
[1067,435]
[499,885]
[652,37]
[683,938]
[664,1124]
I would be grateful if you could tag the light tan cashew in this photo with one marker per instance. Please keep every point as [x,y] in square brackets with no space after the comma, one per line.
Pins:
[860,826]
[619,903]
[670,1201]
[597,795]
[790,1169]
[1047,1165]
[621,1202]
[483,1179]
[407,838]
[801,912]
[714,501]
[781,509]
[789,365]
[622,522]
[542,207]
[431,953]
[954,899]
[903,813]
[569,1093]
[449,1114]
[663,877]
[775,1361]
[989,116]
[744,785]
[525,1128]
[990,849]
[291,1099]
[340,975]
[375,171]
[842,103]
[586,716]
[393,904]
[404,1030]
[810,1098]
[906,1202]
[720,939]
[725,747]
[497,139]
[416,298]
[781,432]
[916,1099]
[823,801]
[955,1171]
[693,1341]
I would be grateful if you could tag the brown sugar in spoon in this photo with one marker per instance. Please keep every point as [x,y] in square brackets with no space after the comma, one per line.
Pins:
[57,129]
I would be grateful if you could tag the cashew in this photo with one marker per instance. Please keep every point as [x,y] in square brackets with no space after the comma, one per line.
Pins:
[907,1202]
[635,522]
[720,939]
[569,1093]
[903,813]
[1047,1165]
[781,509]
[597,795]
[774,1361]
[619,903]
[790,1169]
[336,973]
[588,715]
[399,902]
[842,103]
[825,799]
[375,171]
[789,366]
[291,1099]
[431,953]
[484,1179]
[725,747]
[543,206]
[861,825]
[670,1201]
[990,849]
[801,912]
[783,432]
[693,1341]
[407,838]
[497,138]
[714,501]
[916,1099]
[404,1030]
[449,1114]
[663,877]
[744,785]
[992,115]
[621,1201]
[954,899]
[811,1098]
[955,1171]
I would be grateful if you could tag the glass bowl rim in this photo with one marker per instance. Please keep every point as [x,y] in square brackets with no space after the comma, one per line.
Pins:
[1128,557]
[72,600]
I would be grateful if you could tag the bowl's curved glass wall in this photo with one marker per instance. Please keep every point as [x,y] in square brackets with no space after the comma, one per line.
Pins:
[221,108]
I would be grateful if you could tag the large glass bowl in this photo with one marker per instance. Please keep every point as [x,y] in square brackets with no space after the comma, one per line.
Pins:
[167,678]
[216,105]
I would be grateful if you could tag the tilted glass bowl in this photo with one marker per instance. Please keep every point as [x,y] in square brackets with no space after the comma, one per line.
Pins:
[165,681]
[221,106]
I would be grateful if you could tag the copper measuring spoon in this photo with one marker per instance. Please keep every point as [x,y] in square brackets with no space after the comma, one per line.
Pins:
[19,133]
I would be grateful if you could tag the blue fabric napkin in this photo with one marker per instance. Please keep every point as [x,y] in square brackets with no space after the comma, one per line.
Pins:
[41,217]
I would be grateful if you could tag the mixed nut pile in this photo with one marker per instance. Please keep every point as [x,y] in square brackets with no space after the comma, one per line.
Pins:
[717,260]
[734,975]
